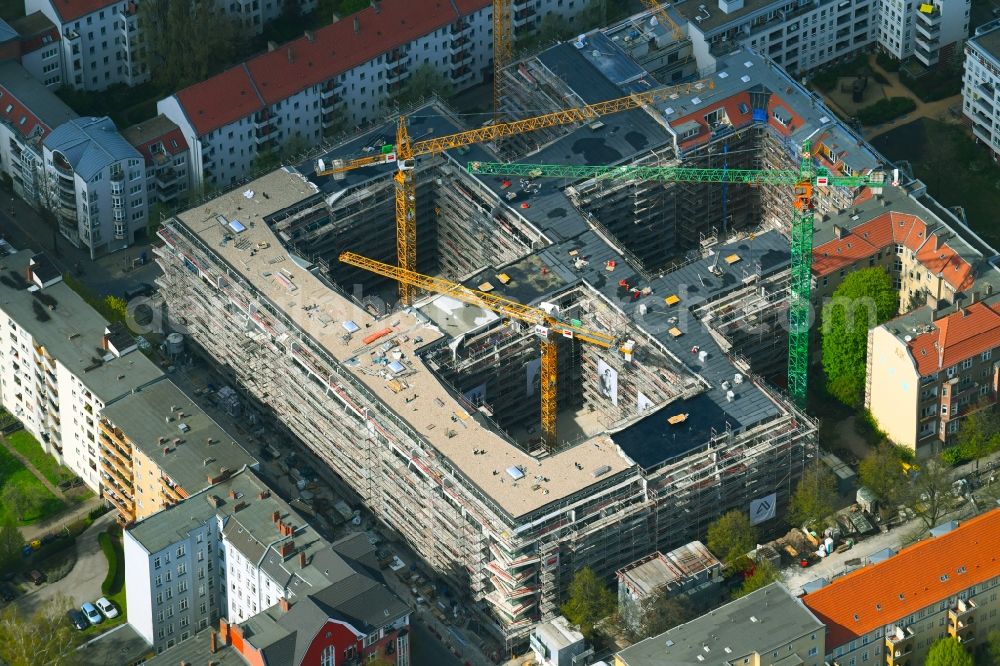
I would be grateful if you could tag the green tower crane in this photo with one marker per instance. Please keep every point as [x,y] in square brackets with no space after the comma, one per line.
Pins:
[804,180]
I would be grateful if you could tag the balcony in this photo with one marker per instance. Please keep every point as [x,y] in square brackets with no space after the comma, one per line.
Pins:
[124,508]
[394,74]
[925,56]
[262,119]
[171,491]
[930,20]
[328,92]
[962,621]
[899,647]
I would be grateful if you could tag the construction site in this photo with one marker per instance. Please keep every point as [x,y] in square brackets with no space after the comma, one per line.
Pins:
[521,369]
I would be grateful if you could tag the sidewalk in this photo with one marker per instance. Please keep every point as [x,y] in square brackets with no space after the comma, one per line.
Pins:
[60,521]
[937,110]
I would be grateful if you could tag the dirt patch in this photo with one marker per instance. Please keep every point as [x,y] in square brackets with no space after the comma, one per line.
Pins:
[843,94]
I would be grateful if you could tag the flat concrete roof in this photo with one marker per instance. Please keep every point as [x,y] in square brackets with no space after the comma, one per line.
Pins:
[154,412]
[758,622]
[426,404]
[989,41]
[72,334]
[651,573]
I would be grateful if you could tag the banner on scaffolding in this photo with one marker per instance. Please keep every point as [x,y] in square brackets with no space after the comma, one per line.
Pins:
[532,376]
[644,404]
[607,381]
[763,509]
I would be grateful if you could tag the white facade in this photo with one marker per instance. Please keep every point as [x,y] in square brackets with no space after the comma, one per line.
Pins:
[255,13]
[461,51]
[174,591]
[99,47]
[96,184]
[801,36]
[51,376]
[980,83]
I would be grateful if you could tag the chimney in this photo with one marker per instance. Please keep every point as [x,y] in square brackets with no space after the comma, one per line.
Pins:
[264,494]
[838,231]
[275,517]
[224,631]
[310,36]
[272,45]
[212,644]
[291,56]
[283,604]
[232,493]
[281,526]
[239,506]
[286,549]
[357,25]
[302,559]
[975,297]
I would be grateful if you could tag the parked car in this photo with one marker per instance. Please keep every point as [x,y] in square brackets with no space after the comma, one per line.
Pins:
[36,576]
[7,593]
[107,608]
[141,289]
[77,619]
[92,614]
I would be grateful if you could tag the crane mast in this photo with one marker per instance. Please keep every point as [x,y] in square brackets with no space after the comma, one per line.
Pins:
[547,326]
[503,48]
[804,180]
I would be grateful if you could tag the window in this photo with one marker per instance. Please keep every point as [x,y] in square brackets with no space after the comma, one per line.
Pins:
[813,650]
[985,356]
[328,656]
[966,364]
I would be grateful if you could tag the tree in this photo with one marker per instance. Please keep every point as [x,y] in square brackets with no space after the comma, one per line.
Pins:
[117,308]
[931,491]
[10,544]
[188,40]
[664,612]
[589,602]
[731,536]
[24,503]
[814,496]
[424,82]
[763,574]
[978,436]
[44,638]
[990,650]
[881,471]
[948,652]
[863,300]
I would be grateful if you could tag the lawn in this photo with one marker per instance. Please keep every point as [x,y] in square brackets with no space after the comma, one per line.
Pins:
[957,172]
[13,473]
[28,446]
[114,584]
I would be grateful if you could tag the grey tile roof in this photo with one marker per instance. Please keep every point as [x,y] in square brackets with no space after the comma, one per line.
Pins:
[988,41]
[30,92]
[90,145]
[768,618]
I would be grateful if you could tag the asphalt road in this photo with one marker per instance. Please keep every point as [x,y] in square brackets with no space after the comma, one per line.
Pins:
[425,648]
[83,582]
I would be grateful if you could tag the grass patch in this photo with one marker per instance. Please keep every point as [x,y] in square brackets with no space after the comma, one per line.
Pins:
[957,171]
[887,62]
[113,586]
[826,80]
[28,446]
[124,105]
[7,420]
[885,110]
[936,84]
[13,473]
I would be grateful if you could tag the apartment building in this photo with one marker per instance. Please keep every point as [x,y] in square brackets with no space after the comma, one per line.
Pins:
[337,78]
[769,626]
[96,183]
[929,369]
[28,113]
[690,571]
[255,14]
[166,155]
[979,86]
[34,41]
[892,612]
[99,44]
[235,552]
[61,363]
[803,35]
[158,447]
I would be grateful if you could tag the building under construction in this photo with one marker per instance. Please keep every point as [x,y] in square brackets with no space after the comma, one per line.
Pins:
[430,413]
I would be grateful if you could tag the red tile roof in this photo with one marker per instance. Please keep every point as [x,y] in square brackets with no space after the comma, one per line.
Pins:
[923,574]
[12,111]
[957,337]
[71,10]
[308,61]
[888,229]
[738,119]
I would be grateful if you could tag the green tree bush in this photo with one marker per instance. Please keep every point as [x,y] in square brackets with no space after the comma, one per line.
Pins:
[885,110]
[589,601]
[863,300]
[948,652]
[731,536]
[814,496]
[761,575]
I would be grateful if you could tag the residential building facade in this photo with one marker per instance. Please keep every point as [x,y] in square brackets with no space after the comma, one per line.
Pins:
[166,155]
[96,185]
[38,48]
[768,626]
[236,552]
[99,44]
[340,77]
[61,363]
[892,612]
[979,86]
[158,447]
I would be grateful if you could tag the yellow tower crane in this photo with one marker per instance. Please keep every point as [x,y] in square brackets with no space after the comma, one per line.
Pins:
[546,322]
[404,152]
[663,17]
[503,50]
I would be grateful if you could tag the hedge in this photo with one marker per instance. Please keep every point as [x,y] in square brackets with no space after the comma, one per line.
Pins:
[887,62]
[885,110]
[111,581]
[935,85]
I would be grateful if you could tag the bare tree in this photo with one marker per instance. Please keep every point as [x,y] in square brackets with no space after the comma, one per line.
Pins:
[44,638]
[931,492]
